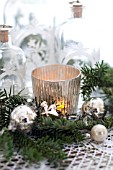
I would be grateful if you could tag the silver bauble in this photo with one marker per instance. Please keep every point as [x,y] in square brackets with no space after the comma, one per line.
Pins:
[95,106]
[21,117]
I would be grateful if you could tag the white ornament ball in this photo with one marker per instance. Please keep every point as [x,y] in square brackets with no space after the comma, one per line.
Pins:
[99,133]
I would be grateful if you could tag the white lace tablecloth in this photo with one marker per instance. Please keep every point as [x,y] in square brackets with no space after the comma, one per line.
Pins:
[88,156]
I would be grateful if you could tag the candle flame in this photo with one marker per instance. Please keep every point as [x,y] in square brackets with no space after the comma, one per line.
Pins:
[61,106]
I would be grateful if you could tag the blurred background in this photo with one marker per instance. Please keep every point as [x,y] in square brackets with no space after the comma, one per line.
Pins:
[20,13]
[39,26]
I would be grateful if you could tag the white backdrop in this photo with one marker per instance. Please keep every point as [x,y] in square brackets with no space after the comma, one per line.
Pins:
[99,11]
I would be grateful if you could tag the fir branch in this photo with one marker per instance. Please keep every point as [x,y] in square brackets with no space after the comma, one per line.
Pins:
[26,146]
[6,144]
[107,88]
[101,77]
[51,149]
[8,101]
[108,122]
[40,149]
[108,78]
[58,129]
[92,78]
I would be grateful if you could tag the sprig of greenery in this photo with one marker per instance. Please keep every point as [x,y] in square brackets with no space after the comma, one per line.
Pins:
[99,77]
[92,78]
[108,88]
[6,144]
[66,130]
[8,101]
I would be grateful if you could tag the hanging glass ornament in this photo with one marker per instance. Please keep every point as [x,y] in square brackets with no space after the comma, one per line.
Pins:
[12,62]
[37,42]
[76,43]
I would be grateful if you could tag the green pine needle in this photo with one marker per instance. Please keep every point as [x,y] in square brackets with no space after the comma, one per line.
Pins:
[92,78]
[6,145]
[7,103]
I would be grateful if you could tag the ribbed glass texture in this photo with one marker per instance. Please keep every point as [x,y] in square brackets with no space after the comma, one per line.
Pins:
[59,84]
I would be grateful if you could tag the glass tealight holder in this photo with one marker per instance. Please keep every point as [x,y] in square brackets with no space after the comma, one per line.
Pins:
[59,84]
